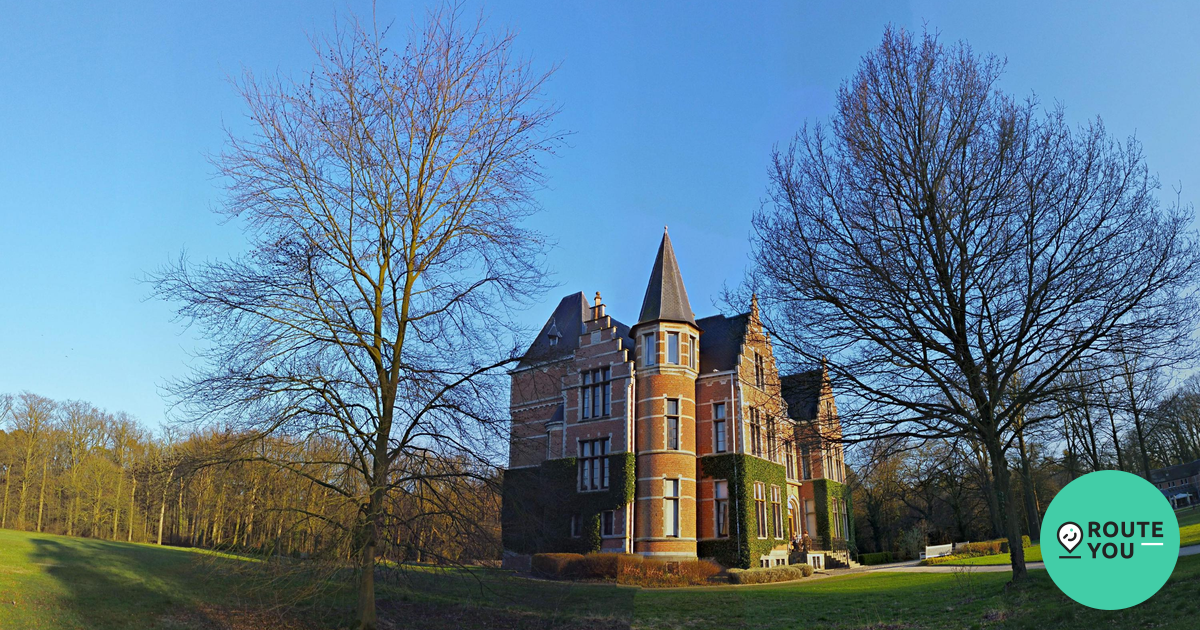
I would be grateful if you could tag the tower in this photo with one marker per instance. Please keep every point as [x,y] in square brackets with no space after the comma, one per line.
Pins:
[667,364]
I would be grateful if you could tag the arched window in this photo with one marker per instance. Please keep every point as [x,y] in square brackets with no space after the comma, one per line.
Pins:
[794,518]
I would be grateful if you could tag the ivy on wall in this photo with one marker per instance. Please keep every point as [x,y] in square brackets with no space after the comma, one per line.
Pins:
[743,548]
[538,504]
[825,492]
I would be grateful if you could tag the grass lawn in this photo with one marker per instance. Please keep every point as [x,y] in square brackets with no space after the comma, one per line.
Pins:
[49,581]
[60,582]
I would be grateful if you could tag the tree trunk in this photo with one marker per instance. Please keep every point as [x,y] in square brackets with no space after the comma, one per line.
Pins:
[162,507]
[1002,487]
[132,505]
[366,580]
[7,485]
[117,502]
[1032,516]
[42,492]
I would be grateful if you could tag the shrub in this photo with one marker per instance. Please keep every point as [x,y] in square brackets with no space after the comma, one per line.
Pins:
[986,548]
[698,571]
[882,557]
[557,566]
[772,574]
[598,566]
[633,569]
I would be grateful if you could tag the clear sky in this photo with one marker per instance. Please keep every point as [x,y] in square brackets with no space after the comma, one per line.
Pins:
[107,111]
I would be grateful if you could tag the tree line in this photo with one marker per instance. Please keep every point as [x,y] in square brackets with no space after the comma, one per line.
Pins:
[68,467]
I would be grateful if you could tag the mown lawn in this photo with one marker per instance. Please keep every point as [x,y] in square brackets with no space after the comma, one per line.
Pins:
[56,582]
[49,581]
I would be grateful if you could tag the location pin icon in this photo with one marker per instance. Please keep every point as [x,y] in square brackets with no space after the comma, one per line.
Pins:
[1069,536]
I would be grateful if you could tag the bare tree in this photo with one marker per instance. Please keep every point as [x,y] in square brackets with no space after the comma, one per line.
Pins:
[939,239]
[383,197]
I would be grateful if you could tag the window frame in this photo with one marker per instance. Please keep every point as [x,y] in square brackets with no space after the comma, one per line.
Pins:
[672,441]
[674,352]
[593,468]
[777,512]
[649,349]
[721,508]
[672,527]
[760,509]
[608,521]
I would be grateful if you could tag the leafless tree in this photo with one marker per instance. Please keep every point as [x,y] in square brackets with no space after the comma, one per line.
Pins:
[954,251]
[383,196]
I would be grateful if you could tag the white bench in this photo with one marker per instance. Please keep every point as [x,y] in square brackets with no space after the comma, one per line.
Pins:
[937,551]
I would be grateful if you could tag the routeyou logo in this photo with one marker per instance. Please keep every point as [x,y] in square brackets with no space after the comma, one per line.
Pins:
[1110,540]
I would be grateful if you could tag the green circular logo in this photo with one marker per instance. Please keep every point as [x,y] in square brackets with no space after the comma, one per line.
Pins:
[1110,540]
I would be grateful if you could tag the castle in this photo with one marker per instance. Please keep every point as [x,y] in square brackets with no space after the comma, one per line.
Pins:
[674,438]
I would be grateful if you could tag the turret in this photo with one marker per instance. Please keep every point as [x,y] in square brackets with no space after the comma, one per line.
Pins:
[667,341]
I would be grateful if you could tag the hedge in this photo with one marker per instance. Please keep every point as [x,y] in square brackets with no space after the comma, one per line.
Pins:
[743,548]
[623,568]
[772,574]
[881,557]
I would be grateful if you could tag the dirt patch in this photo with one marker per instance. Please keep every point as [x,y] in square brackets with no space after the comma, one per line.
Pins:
[396,615]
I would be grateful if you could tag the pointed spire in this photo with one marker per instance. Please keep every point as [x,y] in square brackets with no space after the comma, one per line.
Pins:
[666,298]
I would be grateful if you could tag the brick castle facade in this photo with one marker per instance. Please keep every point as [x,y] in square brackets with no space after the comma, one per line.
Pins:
[673,438]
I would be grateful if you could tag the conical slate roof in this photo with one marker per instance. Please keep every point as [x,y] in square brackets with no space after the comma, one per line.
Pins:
[666,299]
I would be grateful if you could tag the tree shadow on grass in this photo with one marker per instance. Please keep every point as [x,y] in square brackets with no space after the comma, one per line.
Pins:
[117,585]
[467,599]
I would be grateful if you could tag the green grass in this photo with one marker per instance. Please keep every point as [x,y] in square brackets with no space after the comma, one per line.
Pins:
[913,600]
[49,581]
[60,582]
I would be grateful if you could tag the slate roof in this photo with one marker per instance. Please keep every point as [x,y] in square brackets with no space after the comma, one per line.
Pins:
[1178,471]
[566,324]
[721,341]
[666,298]
[802,393]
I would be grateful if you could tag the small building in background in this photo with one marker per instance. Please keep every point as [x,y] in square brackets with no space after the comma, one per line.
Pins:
[1179,483]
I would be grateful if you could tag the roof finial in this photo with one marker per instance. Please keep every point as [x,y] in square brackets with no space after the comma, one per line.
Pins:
[664,229]
[597,298]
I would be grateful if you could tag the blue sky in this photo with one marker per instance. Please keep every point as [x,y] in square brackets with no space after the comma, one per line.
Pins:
[107,111]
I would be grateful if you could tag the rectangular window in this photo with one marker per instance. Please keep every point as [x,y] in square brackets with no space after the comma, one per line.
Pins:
[607,520]
[649,349]
[721,505]
[760,379]
[776,511]
[576,526]
[805,462]
[673,348]
[760,508]
[695,345]
[673,423]
[596,393]
[719,427]
[593,464]
[756,441]
[671,508]
[790,452]
[772,452]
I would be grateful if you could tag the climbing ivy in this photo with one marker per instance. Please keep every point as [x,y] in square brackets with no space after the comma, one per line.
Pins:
[538,504]
[743,548]
[825,492]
